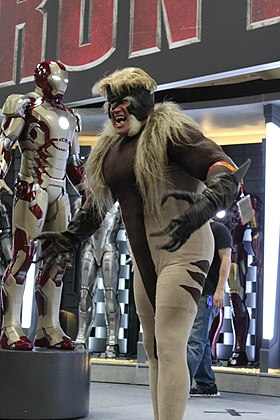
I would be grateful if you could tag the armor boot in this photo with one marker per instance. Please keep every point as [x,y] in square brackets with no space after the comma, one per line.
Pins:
[48,297]
[241,326]
[12,335]
[87,308]
[86,317]
[110,270]
[113,315]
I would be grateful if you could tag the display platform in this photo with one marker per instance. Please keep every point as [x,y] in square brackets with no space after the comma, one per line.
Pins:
[44,384]
[240,380]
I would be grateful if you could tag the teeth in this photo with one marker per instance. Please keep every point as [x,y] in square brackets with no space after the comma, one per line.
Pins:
[120,119]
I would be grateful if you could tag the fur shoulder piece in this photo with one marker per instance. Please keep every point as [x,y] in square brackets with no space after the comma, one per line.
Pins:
[166,123]
[169,120]
[99,193]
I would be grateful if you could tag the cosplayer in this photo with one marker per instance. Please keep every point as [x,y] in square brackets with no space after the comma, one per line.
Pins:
[46,132]
[238,272]
[145,151]
[100,252]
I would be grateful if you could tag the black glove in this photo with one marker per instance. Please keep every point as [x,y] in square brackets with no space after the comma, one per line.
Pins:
[64,244]
[221,191]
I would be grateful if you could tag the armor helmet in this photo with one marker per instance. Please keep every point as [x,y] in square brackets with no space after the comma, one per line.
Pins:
[51,78]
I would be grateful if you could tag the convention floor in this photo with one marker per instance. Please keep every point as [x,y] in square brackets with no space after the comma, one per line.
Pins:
[132,402]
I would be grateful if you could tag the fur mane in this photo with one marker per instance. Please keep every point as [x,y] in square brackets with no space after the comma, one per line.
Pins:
[166,123]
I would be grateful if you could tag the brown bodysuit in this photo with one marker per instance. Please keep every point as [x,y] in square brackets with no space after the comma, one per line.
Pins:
[167,285]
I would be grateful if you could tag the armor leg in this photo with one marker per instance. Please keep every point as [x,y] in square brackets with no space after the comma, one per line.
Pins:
[12,335]
[86,303]
[240,315]
[48,291]
[214,332]
[48,287]
[28,216]
[110,273]
[241,326]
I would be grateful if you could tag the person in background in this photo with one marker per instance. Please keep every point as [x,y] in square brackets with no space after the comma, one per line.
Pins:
[199,355]
[147,156]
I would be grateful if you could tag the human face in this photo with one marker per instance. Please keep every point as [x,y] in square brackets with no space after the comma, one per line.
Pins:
[120,118]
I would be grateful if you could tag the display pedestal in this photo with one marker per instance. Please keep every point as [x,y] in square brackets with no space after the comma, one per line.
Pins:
[44,384]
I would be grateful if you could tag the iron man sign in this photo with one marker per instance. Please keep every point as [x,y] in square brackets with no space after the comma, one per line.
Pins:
[174,40]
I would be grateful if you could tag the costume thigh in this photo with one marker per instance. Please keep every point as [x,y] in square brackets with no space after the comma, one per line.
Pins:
[145,311]
[175,310]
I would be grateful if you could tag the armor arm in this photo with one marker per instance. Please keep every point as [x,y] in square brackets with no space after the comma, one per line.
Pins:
[14,111]
[75,168]
[5,234]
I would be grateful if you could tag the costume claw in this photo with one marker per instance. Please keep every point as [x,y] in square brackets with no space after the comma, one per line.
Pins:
[242,170]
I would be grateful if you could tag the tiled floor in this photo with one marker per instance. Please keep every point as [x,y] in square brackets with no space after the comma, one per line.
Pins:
[132,402]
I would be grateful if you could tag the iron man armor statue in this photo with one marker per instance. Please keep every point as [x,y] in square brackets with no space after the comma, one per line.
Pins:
[238,273]
[46,131]
[101,252]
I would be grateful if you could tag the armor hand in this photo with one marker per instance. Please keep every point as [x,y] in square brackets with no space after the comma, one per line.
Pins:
[4,187]
[221,191]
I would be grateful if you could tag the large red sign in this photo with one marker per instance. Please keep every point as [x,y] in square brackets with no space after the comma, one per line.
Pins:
[176,39]
[263,13]
[30,18]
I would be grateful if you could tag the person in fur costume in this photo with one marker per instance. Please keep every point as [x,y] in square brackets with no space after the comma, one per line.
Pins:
[155,161]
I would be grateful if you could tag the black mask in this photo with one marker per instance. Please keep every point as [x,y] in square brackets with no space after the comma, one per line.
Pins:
[143,101]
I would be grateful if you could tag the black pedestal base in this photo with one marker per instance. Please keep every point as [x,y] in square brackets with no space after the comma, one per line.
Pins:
[44,384]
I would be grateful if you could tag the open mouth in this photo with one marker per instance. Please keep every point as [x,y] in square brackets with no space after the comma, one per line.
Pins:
[120,119]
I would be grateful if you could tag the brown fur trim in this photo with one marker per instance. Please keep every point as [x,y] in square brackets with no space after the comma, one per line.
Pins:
[166,123]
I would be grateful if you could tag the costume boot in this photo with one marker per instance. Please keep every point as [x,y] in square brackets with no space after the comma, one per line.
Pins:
[113,314]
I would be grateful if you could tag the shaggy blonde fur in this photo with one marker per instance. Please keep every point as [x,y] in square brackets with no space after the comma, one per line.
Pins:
[165,122]
[129,77]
